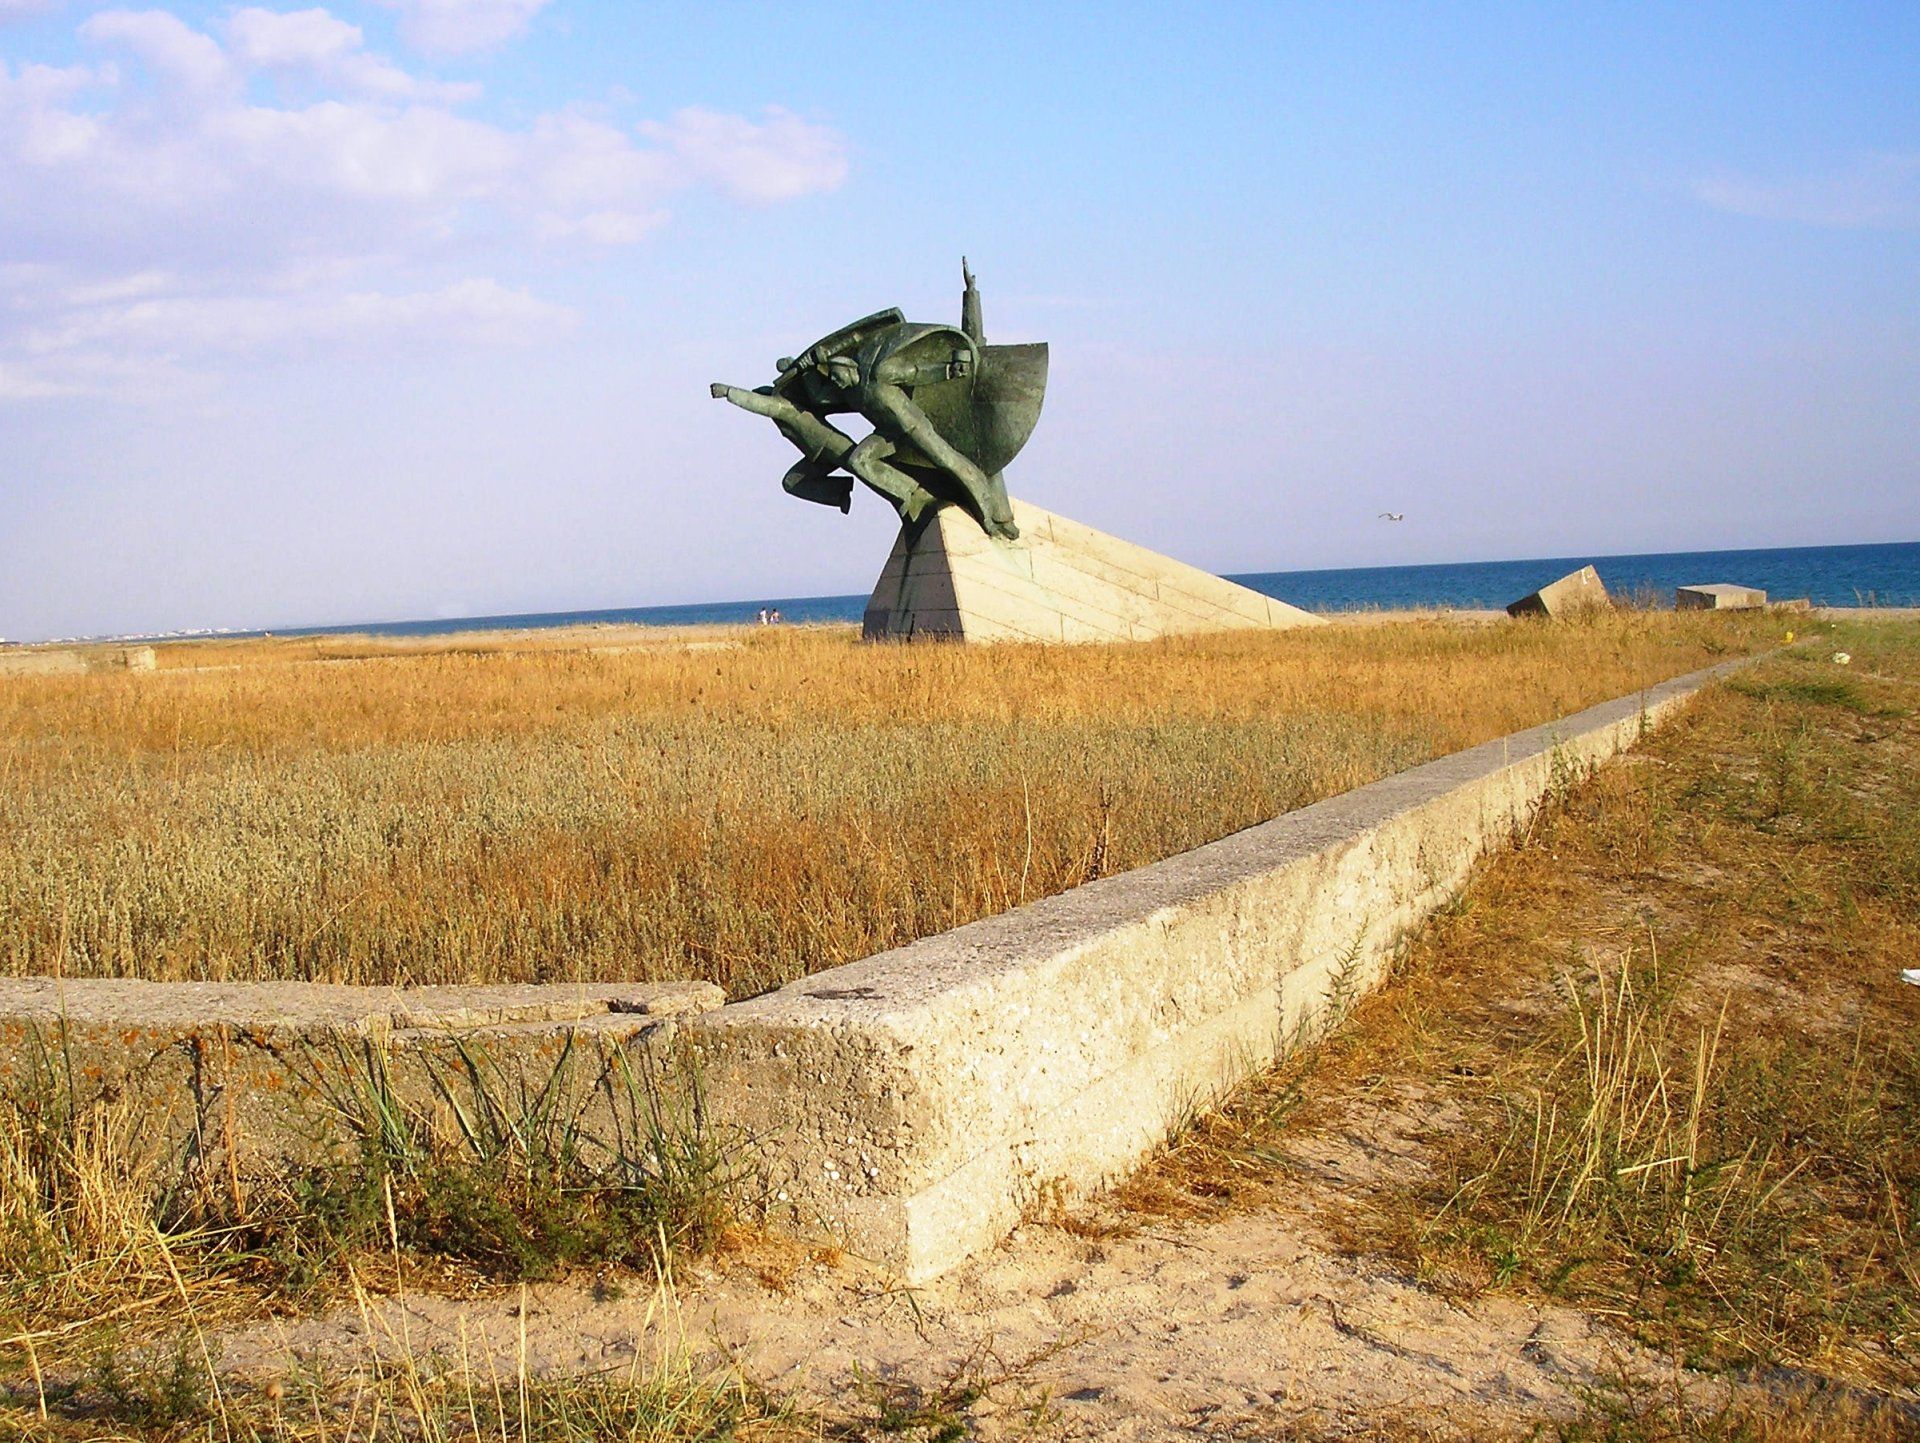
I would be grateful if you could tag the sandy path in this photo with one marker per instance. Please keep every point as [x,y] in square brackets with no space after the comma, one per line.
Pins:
[1223,1327]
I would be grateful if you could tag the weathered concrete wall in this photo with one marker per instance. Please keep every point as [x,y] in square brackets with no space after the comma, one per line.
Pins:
[932,1093]
[41,663]
[64,662]
[231,1076]
[913,1104]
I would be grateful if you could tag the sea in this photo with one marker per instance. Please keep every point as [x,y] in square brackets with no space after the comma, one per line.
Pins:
[1871,575]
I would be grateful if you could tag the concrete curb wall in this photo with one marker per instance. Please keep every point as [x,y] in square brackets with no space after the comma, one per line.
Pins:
[233,1078]
[913,1105]
[75,662]
[926,1097]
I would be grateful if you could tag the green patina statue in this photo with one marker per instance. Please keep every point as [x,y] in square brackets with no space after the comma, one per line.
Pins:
[948,412]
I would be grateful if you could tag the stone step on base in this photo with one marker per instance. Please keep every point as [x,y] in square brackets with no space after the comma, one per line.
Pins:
[1058,582]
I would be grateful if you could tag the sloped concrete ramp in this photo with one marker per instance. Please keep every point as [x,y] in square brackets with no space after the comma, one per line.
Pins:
[1060,581]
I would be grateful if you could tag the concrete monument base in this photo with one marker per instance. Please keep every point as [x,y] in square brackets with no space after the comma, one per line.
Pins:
[1060,581]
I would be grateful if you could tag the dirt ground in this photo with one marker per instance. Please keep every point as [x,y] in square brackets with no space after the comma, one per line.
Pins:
[1234,1326]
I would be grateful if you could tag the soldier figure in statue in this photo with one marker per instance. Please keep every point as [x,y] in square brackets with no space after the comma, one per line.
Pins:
[948,412]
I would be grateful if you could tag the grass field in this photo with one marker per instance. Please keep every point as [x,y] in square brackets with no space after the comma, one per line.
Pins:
[747,813]
[1659,1063]
[1655,1063]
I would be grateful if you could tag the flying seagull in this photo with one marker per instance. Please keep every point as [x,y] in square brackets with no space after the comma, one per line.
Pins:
[1393,516]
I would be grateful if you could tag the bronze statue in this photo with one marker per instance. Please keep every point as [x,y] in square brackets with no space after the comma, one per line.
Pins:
[948,413]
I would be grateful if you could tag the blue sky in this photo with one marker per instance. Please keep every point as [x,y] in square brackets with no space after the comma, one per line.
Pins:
[408,308]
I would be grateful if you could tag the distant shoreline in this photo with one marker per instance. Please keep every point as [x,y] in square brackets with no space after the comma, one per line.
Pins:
[1869,575]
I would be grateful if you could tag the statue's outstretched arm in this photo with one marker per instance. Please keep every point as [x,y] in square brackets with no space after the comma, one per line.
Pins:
[762,402]
[818,440]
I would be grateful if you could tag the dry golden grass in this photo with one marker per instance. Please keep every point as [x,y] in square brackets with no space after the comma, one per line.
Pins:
[1659,1063]
[749,814]
[107,1226]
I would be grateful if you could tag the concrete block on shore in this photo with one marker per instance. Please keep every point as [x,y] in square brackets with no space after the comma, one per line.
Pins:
[126,658]
[1577,591]
[1718,596]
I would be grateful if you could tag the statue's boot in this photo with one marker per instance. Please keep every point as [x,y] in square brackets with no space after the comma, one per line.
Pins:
[810,481]
[917,504]
[996,510]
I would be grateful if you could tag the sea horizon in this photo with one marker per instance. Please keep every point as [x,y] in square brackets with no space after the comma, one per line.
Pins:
[1857,574]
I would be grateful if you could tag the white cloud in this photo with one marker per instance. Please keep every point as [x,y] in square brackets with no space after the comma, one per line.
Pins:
[172,49]
[775,159]
[158,204]
[603,227]
[329,49]
[21,383]
[353,153]
[151,333]
[461,27]
[1876,191]
[479,310]
[34,117]
[197,152]
[119,288]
